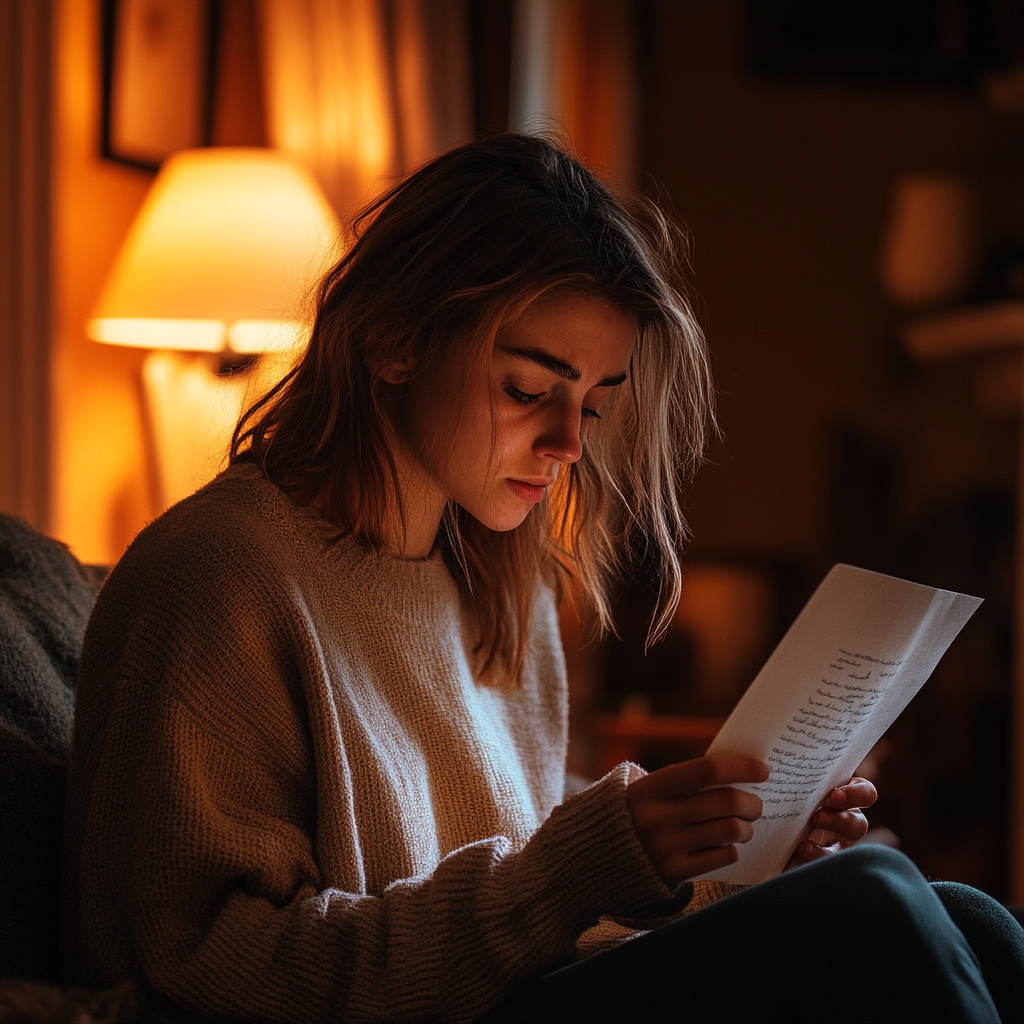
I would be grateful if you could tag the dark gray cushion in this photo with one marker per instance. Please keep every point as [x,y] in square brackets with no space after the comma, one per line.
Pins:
[45,600]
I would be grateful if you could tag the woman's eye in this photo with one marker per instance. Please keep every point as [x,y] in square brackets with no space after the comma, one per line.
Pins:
[520,396]
[525,398]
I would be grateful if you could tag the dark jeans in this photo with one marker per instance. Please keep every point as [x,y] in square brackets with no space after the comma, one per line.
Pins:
[860,936]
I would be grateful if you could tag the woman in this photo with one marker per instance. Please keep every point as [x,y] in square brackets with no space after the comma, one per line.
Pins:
[320,746]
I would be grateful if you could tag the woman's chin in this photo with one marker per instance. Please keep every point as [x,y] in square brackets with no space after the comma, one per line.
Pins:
[501,520]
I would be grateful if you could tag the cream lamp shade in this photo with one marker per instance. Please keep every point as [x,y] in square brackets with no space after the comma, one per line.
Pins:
[222,255]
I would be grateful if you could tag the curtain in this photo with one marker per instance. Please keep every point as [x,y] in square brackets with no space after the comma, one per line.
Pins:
[364,90]
[573,72]
[431,61]
[25,258]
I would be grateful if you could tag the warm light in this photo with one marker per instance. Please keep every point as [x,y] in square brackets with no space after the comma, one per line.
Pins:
[192,412]
[226,249]
[250,336]
[223,255]
[147,332]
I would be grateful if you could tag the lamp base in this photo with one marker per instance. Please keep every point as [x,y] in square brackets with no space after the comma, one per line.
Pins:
[192,406]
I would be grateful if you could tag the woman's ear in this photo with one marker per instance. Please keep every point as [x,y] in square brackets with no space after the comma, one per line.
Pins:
[398,371]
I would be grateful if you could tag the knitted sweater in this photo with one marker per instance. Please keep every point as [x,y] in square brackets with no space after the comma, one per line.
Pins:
[289,798]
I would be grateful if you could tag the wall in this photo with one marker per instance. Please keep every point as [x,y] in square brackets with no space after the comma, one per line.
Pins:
[101,495]
[785,189]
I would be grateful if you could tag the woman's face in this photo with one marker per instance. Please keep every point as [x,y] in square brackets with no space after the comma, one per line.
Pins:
[550,374]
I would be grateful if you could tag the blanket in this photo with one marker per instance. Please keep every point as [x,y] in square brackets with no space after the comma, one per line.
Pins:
[45,600]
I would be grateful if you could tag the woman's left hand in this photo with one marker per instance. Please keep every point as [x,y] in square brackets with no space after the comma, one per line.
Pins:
[838,823]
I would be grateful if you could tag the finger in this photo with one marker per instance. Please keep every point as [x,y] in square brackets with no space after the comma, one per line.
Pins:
[666,845]
[846,826]
[715,803]
[683,866]
[719,832]
[856,793]
[809,851]
[706,806]
[651,815]
[688,777]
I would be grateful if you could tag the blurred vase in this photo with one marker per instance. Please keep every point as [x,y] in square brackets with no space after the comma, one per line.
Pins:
[929,249]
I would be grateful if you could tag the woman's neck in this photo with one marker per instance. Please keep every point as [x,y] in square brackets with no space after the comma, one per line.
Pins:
[423,503]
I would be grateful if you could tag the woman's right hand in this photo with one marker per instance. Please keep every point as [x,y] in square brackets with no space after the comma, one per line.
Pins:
[689,820]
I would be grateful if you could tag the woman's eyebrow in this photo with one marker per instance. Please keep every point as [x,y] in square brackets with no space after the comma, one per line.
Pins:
[549,362]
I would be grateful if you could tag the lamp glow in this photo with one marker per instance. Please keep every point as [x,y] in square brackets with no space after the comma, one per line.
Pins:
[149,332]
[224,251]
[250,336]
[223,254]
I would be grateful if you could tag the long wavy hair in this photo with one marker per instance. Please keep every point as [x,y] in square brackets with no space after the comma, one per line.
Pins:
[445,258]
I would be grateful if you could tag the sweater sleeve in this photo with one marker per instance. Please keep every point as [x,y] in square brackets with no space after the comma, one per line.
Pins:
[192,844]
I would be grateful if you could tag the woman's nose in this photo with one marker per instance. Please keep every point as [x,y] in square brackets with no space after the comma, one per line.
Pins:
[561,438]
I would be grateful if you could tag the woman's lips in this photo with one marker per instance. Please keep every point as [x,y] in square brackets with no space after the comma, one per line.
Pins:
[525,491]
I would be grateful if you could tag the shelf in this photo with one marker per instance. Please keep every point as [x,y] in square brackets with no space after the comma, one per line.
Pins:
[969,329]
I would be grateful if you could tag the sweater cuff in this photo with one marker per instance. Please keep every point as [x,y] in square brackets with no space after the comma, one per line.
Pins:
[594,847]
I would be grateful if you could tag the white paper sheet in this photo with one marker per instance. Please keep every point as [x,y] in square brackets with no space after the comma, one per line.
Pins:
[863,645]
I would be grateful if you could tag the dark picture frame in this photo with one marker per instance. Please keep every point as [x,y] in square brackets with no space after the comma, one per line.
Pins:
[945,44]
[158,71]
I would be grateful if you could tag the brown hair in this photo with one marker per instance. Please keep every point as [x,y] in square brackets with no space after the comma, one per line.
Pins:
[445,258]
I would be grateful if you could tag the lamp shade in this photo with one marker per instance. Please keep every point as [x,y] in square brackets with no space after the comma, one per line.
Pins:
[223,253]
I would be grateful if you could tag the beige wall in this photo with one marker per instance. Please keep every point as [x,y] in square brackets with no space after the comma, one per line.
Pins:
[101,496]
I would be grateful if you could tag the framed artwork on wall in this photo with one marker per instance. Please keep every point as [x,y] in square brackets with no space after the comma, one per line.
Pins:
[158,71]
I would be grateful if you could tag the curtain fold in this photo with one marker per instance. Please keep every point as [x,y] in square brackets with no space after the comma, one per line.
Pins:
[328,101]
[26,293]
[431,61]
[364,90]
[573,71]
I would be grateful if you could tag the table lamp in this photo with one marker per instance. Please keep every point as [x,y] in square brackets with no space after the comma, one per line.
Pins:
[216,270]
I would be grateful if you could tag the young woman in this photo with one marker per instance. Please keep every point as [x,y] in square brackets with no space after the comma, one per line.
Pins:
[319,750]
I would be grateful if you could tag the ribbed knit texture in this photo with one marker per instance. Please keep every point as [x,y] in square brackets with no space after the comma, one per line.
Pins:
[290,799]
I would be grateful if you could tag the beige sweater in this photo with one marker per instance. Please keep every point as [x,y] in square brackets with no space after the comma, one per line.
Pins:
[290,800]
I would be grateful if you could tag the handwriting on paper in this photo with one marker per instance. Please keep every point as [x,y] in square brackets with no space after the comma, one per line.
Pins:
[821,730]
[858,652]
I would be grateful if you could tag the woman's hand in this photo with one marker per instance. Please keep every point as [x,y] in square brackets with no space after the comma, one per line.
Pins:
[687,818]
[838,823]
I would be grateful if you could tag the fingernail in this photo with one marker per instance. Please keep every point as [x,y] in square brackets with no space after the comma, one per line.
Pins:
[837,797]
[825,818]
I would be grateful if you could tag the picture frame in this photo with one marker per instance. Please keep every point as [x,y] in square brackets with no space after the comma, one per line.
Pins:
[158,72]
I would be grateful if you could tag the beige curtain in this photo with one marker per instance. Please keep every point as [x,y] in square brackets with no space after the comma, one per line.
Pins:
[430,57]
[363,90]
[573,72]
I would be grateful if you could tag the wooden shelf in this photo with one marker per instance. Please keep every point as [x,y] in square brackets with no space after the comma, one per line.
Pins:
[968,329]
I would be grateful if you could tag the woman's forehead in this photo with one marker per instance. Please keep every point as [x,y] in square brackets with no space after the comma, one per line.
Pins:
[570,334]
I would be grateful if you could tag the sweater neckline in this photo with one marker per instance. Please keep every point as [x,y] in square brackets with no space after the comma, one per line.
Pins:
[336,540]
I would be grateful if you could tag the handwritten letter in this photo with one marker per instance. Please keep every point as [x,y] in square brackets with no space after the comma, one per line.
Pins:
[861,648]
